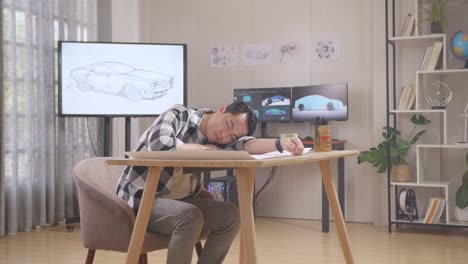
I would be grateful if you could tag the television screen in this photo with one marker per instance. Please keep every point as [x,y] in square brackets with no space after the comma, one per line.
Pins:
[269,104]
[329,101]
[120,79]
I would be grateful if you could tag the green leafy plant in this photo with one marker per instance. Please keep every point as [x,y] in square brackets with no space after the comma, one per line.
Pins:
[399,146]
[461,198]
[433,11]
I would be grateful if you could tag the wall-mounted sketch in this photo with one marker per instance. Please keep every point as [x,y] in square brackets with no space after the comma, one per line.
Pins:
[326,48]
[223,56]
[287,51]
[259,53]
[122,79]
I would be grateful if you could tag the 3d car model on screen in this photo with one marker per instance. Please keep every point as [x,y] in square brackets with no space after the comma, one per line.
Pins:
[317,102]
[122,79]
[273,99]
[275,111]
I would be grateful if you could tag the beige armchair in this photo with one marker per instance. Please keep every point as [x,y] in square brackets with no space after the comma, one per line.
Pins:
[106,220]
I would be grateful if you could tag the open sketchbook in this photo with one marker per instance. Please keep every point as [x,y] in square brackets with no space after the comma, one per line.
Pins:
[207,155]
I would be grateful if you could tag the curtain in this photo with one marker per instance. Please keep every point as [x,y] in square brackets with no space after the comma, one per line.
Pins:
[39,148]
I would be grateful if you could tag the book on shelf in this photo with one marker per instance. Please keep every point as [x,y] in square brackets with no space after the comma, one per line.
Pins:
[405,24]
[434,210]
[425,59]
[435,57]
[407,97]
[431,208]
[403,96]
[408,26]
[439,211]
[411,96]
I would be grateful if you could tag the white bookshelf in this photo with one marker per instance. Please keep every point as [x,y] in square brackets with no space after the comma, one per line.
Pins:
[428,157]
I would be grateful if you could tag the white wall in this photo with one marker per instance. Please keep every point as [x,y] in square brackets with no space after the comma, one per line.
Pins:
[126,27]
[359,24]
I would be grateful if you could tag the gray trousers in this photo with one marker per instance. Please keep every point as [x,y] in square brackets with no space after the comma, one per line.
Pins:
[184,220]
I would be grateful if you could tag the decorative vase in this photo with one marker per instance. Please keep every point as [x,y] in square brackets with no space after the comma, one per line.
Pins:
[400,173]
[436,27]
[461,215]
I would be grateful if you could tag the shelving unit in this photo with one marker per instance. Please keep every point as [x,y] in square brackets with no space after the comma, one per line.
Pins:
[435,179]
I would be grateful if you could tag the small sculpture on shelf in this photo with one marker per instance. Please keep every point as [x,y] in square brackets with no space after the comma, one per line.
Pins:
[465,117]
[438,95]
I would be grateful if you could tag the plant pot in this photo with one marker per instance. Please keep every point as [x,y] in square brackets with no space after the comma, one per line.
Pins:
[401,173]
[436,27]
[461,215]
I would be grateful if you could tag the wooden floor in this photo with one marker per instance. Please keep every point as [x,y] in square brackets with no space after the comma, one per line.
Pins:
[278,241]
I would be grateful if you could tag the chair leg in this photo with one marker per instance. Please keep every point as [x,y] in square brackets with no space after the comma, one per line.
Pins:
[198,248]
[143,259]
[90,256]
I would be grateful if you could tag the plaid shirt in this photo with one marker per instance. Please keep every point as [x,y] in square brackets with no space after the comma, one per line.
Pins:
[178,125]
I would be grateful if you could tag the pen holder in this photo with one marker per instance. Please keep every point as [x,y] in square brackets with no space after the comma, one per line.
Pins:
[322,138]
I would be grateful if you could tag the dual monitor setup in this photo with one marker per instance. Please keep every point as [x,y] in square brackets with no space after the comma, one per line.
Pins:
[298,104]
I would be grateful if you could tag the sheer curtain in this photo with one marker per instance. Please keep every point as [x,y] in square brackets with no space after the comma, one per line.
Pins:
[39,149]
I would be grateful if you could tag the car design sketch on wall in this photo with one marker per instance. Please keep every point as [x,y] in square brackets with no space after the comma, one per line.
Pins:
[257,54]
[276,100]
[122,79]
[317,102]
[275,111]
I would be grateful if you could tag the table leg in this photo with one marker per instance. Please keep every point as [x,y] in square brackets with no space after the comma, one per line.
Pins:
[325,211]
[335,208]
[245,187]
[141,223]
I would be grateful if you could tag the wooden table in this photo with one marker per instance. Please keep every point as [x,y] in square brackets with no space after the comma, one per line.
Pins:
[245,172]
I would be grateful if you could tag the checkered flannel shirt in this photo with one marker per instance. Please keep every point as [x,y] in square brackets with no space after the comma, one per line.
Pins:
[179,124]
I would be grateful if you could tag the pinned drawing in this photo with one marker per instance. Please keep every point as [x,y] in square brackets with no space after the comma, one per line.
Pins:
[223,56]
[259,53]
[287,52]
[122,79]
[326,49]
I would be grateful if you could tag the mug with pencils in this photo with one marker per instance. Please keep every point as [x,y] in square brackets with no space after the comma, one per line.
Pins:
[322,135]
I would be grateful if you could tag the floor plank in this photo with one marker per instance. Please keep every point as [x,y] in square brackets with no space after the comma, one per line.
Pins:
[278,241]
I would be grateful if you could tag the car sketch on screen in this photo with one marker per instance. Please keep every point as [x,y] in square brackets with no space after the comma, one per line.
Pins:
[276,100]
[318,105]
[275,111]
[123,80]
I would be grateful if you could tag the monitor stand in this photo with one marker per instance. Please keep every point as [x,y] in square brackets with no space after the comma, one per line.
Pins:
[263,130]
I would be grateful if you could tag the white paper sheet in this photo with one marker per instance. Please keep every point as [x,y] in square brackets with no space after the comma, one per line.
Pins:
[277,154]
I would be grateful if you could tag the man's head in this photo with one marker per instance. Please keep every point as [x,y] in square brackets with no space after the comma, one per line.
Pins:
[230,123]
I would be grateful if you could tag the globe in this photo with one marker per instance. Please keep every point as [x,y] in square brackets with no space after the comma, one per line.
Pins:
[459,46]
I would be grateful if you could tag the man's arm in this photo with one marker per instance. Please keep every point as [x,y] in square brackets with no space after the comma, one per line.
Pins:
[265,145]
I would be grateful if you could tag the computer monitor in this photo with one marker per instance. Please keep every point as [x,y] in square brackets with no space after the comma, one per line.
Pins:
[329,101]
[269,104]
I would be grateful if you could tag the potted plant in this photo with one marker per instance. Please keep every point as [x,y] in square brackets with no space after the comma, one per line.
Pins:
[461,197]
[399,148]
[432,12]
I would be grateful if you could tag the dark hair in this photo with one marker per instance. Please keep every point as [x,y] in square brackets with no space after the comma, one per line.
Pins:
[241,108]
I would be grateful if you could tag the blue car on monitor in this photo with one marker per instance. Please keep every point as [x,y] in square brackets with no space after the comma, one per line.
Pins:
[273,99]
[317,102]
[275,111]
